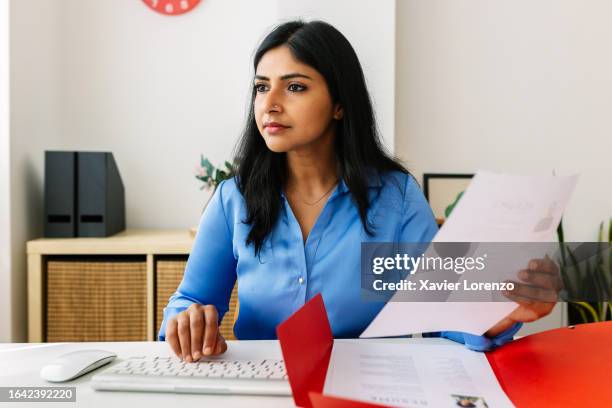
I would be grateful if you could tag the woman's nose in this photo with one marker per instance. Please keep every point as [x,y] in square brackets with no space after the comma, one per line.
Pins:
[273,101]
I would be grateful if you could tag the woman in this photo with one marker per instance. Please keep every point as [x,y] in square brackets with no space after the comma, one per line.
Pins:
[313,183]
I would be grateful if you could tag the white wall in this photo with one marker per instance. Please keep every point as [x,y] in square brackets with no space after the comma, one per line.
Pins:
[34,123]
[5,220]
[521,87]
[515,86]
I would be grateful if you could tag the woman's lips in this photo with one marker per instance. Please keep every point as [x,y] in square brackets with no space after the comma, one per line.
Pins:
[275,129]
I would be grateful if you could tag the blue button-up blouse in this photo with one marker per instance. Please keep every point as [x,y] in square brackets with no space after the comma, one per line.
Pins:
[288,271]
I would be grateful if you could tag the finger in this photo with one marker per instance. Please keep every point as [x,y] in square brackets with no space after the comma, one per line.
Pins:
[501,326]
[543,265]
[184,336]
[172,337]
[197,329]
[211,329]
[542,280]
[519,299]
[529,313]
[529,295]
[535,293]
[221,345]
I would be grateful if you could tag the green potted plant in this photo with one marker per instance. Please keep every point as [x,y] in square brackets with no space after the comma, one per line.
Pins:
[592,276]
[211,177]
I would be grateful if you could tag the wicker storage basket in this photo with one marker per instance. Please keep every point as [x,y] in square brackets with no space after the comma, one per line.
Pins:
[89,300]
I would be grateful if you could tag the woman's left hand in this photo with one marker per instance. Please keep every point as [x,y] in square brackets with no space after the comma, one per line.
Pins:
[536,297]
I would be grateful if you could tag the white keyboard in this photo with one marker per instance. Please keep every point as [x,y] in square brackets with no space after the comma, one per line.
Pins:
[169,374]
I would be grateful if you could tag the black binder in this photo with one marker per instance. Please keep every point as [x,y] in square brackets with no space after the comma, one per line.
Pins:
[60,194]
[101,196]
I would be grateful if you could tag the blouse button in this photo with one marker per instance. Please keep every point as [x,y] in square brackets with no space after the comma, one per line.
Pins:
[301,280]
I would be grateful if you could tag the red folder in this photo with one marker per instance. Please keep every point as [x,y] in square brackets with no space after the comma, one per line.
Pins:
[306,342]
[561,367]
[566,367]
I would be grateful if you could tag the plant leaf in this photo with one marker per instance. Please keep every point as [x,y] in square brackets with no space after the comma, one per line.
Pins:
[590,309]
[451,207]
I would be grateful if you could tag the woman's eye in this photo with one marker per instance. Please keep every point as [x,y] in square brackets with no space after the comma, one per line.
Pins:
[260,87]
[296,88]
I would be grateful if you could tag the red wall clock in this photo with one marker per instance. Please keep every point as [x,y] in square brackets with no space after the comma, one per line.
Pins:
[172,7]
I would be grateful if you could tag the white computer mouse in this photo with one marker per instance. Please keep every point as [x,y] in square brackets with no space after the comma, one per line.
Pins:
[72,365]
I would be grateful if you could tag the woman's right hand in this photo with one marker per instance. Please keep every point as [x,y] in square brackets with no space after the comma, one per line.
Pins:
[194,333]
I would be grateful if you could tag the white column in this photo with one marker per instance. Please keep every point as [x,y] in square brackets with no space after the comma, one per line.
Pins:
[5,230]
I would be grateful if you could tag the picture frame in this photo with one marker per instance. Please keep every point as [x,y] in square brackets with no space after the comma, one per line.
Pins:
[442,189]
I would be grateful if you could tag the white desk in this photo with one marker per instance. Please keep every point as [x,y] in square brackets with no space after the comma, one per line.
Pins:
[20,364]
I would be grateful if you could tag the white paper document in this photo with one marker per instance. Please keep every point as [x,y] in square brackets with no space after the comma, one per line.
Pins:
[494,208]
[413,375]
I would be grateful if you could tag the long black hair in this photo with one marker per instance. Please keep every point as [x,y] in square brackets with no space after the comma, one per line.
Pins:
[261,173]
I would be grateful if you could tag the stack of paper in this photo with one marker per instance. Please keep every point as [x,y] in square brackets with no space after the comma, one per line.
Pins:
[494,208]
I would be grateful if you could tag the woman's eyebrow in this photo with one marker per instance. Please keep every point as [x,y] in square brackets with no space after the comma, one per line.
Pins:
[284,77]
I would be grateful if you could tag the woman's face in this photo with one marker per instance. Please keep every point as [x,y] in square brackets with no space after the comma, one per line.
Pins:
[293,107]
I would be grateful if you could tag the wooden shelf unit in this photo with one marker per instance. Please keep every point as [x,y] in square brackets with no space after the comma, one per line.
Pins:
[151,245]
